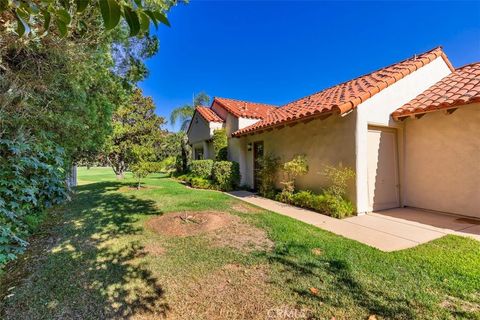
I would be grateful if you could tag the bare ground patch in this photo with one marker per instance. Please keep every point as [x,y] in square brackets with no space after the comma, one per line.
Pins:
[174,224]
[232,292]
[241,236]
[221,228]
[154,249]
[455,304]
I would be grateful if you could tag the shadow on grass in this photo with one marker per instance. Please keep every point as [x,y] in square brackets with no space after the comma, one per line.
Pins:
[87,263]
[340,280]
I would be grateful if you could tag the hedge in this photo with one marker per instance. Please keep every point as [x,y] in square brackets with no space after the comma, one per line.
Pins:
[226,175]
[201,168]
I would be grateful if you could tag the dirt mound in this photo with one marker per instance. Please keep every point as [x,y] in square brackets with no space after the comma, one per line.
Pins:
[221,228]
[175,224]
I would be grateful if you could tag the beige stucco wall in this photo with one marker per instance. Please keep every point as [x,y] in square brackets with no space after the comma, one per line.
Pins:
[376,111]
[330,141]
[200,133]
[442,161]
[199,130]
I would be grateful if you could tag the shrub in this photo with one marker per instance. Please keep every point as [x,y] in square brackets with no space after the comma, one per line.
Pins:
[309,200]
[184,178]
[325,203]
[201,183]
[226,175]
[292,169]
[32,178]
[268,169]
[304,199]
[220,144]
[338,177]
[336,206]
[167,165]
[201,168]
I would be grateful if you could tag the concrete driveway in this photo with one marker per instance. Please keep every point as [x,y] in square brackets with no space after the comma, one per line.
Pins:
[387,230]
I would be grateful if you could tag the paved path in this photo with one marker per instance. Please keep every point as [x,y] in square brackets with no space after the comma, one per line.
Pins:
[388,230]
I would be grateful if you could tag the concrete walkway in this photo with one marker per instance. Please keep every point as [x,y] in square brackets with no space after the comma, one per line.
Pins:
[387,230]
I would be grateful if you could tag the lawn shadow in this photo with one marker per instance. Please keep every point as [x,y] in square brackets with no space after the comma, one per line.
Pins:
[86,264]
[337,275]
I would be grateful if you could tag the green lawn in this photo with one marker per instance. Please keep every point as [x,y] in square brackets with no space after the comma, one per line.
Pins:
[94,258]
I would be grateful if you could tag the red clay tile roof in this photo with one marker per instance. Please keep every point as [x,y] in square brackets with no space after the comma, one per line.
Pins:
[208,114]
[458,88]
[245,109]
[345,96]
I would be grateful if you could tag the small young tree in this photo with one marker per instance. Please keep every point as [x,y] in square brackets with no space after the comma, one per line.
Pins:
[292,169]
[140,171]
[220,143]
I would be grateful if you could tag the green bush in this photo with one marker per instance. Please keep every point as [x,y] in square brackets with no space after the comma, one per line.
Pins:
[326,203]
[32,178]
[226,175]
[184,177]
[292,169]
[336,206]
[220,144]
[268,169]
[338,177]
[201,183]
[201,168]
[304,199]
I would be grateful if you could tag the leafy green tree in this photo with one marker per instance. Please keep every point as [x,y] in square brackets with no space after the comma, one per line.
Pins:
[136,131]
[40,17]
[65,67]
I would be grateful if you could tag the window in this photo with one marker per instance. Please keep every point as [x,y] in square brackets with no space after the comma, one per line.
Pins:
[198,153]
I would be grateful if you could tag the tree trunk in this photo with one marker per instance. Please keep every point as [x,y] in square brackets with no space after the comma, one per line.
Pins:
[184,154]
[119,168]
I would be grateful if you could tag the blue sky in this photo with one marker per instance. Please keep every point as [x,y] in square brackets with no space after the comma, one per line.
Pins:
[277,51]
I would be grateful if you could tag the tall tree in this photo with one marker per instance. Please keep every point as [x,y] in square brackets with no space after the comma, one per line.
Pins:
[136,132]
[185,114]
[60,83]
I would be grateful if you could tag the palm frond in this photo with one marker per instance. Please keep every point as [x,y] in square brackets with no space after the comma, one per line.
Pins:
[182,114]
[201,99]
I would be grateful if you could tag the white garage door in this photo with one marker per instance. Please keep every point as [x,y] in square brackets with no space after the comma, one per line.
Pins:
[383,185]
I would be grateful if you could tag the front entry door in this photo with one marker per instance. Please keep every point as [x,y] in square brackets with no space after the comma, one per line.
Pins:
[383,184]
[257,155]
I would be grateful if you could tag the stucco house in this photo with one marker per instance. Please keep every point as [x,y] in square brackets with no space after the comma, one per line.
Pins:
[411,132]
